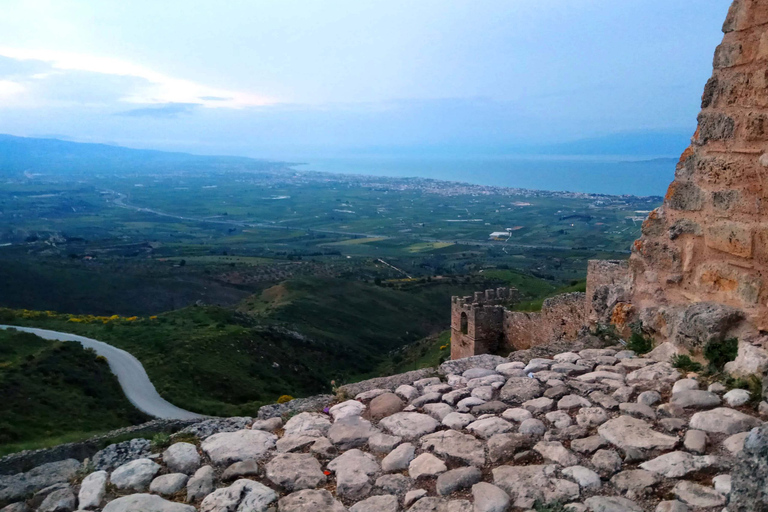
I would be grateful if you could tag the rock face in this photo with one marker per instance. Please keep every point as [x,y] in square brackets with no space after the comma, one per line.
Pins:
[700,266]
[749,485]
[14,487]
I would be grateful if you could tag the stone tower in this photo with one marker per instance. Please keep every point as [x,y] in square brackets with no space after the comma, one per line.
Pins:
[707,245]
[477,322]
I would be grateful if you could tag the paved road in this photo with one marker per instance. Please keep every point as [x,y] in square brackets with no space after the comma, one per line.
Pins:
[129,371]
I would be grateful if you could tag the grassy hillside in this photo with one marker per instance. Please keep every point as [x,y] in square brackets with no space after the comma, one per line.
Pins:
[293,338]
[56,391]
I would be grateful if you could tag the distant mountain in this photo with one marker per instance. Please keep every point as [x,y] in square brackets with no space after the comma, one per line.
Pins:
[53,156]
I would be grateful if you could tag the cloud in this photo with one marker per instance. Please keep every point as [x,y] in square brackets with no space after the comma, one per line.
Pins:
[155,87]
[169,110]
[214,98]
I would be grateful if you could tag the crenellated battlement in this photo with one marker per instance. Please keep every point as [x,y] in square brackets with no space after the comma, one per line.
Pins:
[489,297]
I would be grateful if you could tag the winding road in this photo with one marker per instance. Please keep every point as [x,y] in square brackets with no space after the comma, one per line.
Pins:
[129,371]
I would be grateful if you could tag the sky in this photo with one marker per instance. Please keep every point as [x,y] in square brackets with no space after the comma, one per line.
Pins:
[268,78]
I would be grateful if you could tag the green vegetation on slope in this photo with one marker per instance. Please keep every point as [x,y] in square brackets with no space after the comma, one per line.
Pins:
[292,339]
[51,388]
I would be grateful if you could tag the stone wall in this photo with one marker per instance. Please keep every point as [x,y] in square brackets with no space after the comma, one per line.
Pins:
[708,242]
[561,317]
[477,322]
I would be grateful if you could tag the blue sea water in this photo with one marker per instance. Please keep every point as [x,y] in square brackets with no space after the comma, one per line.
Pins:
[605,175]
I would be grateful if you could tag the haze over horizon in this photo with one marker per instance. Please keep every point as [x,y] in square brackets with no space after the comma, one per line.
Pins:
[294,79]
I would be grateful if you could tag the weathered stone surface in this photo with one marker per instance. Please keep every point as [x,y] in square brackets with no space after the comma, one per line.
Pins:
[532,427]
[528,484]
[306,422]
[182,458]
[168,485]
[655,374]
[383,443]
[399,458]
[697,495]
[695,399]
[457,420]
[354,470]
[229,447]
[200,484]
[703,322]
[750,474]
[459,366]
[570,402]
[737,397]
[750,360]
[391,382]
[455,445]
[145,503]
[409,425]
[696,441]
[555,451]
[456,479]
[310,500]
[612,504]
[240,470]
[386,503]
[722,484]
[426,465]
[679,464]
[60,500]
[118,454]
[295,471]
[588,444]
[346,409]
[724,421]
[270,425]
[438,411]
[672,506]
[735,443]
[135,475]
[634,480]
[489,498]
[585,477]
[350,432]
[520,389]
[206,428]
[488,427]
[393,484]
[626,433]
[591,416]
[607,462]
[92,490]
[502,447]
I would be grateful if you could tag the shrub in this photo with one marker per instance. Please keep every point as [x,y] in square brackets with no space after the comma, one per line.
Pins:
[554,506]
[284,398]
[639,343]
[685,363]
[720,352]
[101,359]
[160,441]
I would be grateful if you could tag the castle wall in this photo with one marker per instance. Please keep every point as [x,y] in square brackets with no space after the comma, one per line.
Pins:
[708,242]
[608,285]
[477,322]
[561,317]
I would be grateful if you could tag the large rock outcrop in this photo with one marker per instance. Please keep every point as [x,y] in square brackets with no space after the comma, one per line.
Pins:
[708,242]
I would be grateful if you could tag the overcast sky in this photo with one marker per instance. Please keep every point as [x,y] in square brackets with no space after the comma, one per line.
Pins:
[277,77]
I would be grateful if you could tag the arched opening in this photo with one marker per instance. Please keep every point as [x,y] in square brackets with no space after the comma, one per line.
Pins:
[464,324]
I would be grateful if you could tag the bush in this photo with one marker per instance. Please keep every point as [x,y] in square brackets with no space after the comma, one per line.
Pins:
[751,383]
[685,363]
[160,441]
[284,398]
[719,353]
[639,344]
[554,506]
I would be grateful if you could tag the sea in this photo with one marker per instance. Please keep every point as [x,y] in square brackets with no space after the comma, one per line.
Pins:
[615,175]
